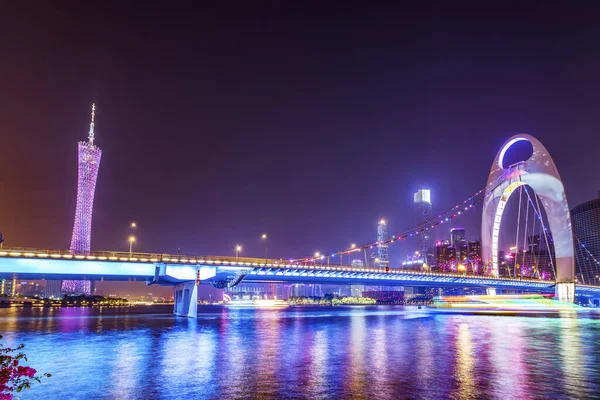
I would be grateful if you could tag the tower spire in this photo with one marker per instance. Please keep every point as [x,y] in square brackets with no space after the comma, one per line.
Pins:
[91,136]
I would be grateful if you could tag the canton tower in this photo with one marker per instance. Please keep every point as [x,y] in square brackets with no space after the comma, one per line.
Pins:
[89,161]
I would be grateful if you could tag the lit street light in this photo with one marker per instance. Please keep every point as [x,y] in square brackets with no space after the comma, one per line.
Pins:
[133,225]
[238,248]
[264,236]
[131,241]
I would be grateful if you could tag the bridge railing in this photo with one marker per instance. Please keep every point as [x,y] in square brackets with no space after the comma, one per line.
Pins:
[119,256]
[28,252]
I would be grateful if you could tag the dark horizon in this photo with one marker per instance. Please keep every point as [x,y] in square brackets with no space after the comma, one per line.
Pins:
[307,122]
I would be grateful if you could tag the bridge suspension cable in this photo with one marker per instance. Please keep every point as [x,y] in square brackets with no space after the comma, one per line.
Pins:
[451,213]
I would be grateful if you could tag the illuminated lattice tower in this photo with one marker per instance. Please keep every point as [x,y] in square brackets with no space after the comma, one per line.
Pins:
[382,248]
[89,161]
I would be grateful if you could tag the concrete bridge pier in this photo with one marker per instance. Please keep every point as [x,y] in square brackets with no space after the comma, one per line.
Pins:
[186,299]
[565,291]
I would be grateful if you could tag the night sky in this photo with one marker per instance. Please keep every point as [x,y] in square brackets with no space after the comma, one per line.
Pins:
[304,120]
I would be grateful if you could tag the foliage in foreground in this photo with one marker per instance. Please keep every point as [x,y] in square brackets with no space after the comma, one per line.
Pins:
[15,377]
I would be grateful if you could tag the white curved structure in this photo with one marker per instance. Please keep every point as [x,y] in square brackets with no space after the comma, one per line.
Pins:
[540,173]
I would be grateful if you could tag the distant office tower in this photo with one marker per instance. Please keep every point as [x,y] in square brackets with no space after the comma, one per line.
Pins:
[424,213]
[382,248]
[586,229]
[505,263]
[8,287]
[298,290]
[53,289]
[474,249]
[313,290]
[357,290]
[444,254]
[457,237]
[89,161]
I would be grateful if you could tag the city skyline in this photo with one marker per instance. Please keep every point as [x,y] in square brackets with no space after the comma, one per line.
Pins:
[206,164]
[317,200]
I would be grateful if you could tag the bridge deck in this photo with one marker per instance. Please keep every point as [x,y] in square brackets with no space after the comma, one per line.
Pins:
[171,269]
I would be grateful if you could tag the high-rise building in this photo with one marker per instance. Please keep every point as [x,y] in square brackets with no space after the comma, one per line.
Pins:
[586,229]
[474,249]
[89,162]
[444,254]
[8,287]
[53,289]
[357,290]
[298,290]
[383,259]
[422,200]
[457,236]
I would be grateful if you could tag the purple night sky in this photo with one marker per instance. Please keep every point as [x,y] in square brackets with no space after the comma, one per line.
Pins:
[306,121]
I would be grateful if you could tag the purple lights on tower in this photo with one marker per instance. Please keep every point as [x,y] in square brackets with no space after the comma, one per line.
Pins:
[89,162]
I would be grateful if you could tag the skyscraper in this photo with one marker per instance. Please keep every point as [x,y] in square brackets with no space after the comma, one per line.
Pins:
[586,229]
[457,237]
[89,161]
[423,205]
[383,258]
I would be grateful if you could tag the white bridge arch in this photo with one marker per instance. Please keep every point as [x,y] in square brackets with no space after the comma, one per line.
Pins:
[540,173]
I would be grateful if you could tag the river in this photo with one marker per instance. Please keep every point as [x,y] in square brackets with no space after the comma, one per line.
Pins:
[379,352]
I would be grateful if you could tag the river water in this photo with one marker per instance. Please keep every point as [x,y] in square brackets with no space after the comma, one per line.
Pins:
[381,352]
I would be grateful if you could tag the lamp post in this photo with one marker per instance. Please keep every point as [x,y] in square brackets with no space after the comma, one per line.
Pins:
[131,241]
[264,236]
[238,248]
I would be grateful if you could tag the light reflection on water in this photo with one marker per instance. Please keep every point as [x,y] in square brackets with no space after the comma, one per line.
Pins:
[304,353]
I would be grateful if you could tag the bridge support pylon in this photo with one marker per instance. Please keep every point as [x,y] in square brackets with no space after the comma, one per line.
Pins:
[565,291]
[186,299]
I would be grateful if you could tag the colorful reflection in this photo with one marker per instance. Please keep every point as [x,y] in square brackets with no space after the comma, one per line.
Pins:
[306,352]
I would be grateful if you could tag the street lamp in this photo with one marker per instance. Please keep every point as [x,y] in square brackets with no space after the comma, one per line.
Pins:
[133,225]
[238,248]
[264,236]
[131,241]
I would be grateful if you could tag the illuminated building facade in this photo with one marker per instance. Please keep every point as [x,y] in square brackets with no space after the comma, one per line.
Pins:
[586,229]
[474,249]
[383,258]
[53,289]
[89,162]
[8,287]
[422,200]
[457,237]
